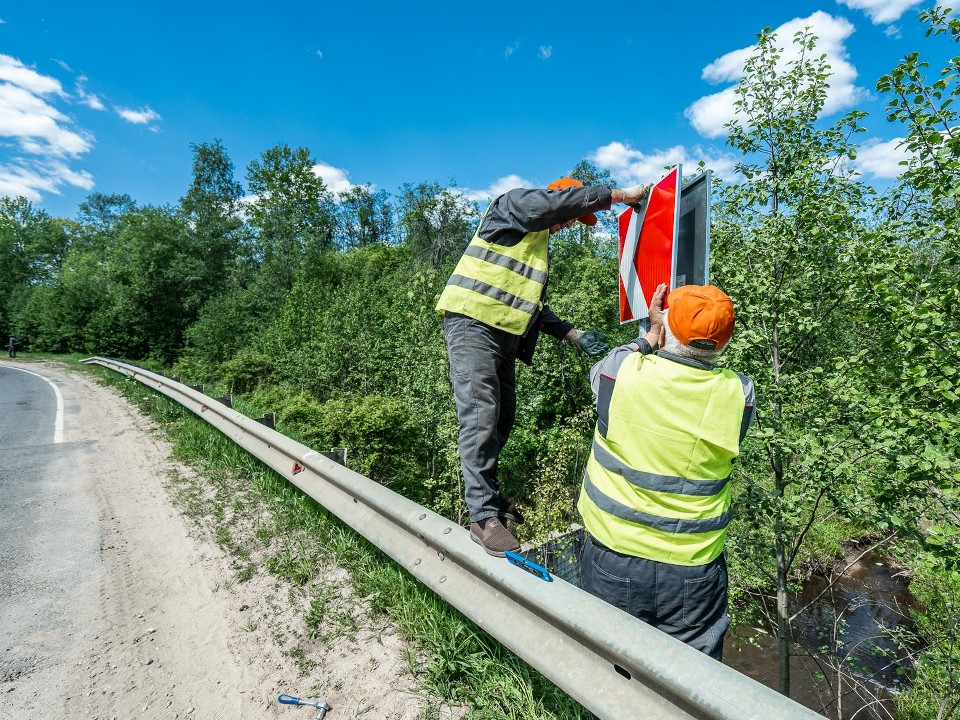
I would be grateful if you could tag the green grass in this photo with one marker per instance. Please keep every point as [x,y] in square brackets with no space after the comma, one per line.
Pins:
[264,523]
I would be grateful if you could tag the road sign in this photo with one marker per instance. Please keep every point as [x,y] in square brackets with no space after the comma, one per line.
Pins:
[667,241]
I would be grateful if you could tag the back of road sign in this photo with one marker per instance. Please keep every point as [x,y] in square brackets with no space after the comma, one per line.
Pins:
[668,242]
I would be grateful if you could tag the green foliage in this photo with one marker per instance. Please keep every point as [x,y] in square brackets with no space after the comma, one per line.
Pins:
[364,217]
[787,242]
[291,215]
[555,477]
[437,222]
[935,687]
[225,326]
[212,207]
[382,434]
[246,370]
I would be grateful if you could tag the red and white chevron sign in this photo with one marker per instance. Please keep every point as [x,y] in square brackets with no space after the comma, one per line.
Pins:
[648,247]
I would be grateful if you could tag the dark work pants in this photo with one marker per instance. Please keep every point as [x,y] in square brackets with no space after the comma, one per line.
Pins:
[483,373]
[689,603]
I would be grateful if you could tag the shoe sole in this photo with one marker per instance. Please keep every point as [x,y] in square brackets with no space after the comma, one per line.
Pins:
[487,550]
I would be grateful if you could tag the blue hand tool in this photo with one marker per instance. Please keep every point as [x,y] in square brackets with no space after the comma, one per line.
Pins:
[529,565]
[321,706]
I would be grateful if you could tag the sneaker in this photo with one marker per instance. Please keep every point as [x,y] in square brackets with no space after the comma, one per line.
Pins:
[509,512]
[493,536]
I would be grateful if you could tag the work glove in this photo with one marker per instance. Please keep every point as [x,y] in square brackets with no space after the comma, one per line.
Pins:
[635,196]
[593,343]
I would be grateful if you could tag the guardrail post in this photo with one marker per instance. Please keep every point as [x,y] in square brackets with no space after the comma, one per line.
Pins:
[268,419]
[338,455]
[226,400]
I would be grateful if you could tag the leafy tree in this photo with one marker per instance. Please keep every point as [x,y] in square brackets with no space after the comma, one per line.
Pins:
[291,214]
[911,297]
[213,209]
[32,248]
[784,248]
[364,217]
[155,287]
[101,213]
[437,222]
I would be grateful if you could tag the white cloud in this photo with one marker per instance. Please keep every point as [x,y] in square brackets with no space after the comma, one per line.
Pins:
[893,31]
[881,159]
[511,49]
[38,127]
[320,54]
[545,51]
[881,11]
[710,113]
[34,180]
[143,116]
[497,188]
[729,67]
[335,179]
[88,99]
[40,135]
[630,167]
[15,72]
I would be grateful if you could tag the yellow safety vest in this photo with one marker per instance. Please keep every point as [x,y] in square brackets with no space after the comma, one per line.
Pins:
[656,481]
[499,285]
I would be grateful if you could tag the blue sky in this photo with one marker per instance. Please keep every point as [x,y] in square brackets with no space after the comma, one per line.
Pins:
[108,96]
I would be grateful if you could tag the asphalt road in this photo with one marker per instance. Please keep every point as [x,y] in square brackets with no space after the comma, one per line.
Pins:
[49,530]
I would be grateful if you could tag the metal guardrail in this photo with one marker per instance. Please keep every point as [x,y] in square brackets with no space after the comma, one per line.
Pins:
[611,663]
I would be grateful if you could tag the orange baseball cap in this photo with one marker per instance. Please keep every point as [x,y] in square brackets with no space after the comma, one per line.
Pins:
[701,316]
[566,182]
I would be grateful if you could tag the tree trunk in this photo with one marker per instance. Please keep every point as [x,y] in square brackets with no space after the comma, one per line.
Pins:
[783,622]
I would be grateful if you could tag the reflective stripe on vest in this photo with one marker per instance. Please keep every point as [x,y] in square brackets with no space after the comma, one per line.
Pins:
[653,481]
[499,285]
[672,525]
[495,293]
[656,485]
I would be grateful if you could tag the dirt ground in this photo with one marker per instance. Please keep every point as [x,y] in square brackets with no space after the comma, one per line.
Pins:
[150,622]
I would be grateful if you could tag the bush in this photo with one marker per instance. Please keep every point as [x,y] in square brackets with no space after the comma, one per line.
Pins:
[246,370]
[382,436]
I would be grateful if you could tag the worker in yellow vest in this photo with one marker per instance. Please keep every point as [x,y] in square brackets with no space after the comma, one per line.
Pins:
[494,310]
[656,494]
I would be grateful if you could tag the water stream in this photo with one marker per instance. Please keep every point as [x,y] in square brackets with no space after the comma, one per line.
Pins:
[844,665]
[844,657]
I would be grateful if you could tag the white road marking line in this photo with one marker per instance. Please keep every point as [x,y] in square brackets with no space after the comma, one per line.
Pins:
[58,424]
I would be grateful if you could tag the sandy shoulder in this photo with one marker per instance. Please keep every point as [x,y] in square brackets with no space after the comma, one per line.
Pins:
[163,629]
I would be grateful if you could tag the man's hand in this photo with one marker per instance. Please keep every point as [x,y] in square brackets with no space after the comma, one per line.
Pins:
[656,307]
[593,343]
[634,195]
[655,335]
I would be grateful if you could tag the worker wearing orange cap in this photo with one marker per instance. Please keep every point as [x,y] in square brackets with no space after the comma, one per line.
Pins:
[494,310]
[656,495]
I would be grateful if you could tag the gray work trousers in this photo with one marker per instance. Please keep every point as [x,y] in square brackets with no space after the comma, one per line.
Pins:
[484,378]
[689,603]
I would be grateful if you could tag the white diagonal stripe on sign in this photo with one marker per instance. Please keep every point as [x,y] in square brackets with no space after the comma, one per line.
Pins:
[628,269]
